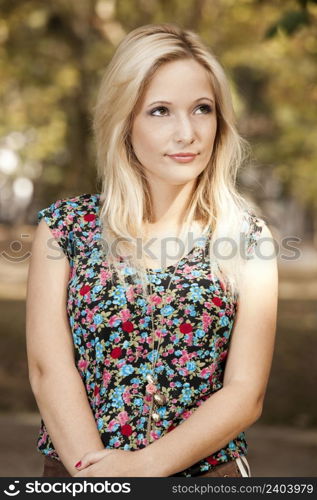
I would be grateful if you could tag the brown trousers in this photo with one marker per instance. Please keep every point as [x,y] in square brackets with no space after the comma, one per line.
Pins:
[55,468]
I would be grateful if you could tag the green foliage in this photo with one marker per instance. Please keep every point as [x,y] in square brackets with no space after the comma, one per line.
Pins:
[52,56]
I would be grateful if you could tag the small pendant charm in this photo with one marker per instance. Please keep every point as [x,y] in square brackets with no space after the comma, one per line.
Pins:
[156,417]
[160,398]
[151,388]
[150,378]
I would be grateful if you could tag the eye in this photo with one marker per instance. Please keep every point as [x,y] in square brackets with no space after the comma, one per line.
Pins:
[207,108]
[157,109]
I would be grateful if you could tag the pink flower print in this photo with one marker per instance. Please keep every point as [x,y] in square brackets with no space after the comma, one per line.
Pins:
[188,270]
[156,299]
[106,377]
[125,315]
[123,418]
[184,358]
[213,367]
[151,388]
[104,276]
[89,316]
[126,396]
[207,321]
[223,355]
[205,372]
[82,364]
[187,414]
[113,320]
[57,233]
[43,438]
[153,434]
[219,342]
[189,338]
[112,424]
[209,305]
[130,294]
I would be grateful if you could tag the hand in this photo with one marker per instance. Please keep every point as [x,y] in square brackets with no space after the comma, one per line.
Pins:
[113,463]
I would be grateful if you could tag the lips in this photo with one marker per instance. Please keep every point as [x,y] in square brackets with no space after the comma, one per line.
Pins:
[183,157]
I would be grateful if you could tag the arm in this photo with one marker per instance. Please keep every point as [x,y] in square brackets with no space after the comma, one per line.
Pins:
[239,403]
[55,381]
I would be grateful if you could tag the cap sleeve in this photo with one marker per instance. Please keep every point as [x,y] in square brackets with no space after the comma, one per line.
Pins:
[252,229]
[59,218]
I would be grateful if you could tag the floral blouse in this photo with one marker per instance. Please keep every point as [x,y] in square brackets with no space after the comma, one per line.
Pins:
[111,332]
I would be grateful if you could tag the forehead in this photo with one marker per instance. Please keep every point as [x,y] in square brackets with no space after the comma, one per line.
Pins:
[180,78]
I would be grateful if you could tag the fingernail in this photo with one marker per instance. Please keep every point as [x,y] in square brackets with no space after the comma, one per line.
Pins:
[78,464]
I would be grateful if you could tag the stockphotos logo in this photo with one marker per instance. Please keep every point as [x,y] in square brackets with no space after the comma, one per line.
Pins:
[12,490]
[74,488]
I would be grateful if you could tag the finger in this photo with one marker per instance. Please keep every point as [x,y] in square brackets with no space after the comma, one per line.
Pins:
[91,458]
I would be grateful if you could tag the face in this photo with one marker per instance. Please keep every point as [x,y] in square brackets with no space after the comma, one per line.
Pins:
[176,115]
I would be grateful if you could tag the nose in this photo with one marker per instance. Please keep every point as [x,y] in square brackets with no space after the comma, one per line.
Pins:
[184,130]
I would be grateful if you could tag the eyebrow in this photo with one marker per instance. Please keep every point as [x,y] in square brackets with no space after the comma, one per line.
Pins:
[167,102]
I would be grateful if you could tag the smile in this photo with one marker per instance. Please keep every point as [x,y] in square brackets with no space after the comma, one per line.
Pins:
[181,158]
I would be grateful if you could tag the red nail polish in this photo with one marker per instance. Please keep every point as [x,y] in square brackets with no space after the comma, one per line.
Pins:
[78,464]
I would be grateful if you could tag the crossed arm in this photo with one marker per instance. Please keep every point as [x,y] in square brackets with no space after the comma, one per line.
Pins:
[218,420]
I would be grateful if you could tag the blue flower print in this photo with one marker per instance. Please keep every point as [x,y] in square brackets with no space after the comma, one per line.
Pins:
[191,366]
[117,400]
[126,370]
[224,321]
[119,296]
[99,352]
[195,294]
[186,395]
[98,319]
[167,310]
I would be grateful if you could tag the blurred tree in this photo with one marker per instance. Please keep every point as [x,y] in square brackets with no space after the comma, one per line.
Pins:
[53,55]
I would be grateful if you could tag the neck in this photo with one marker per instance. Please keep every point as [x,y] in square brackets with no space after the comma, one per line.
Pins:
[169,203]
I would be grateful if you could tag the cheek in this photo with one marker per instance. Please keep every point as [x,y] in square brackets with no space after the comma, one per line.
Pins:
[147,140]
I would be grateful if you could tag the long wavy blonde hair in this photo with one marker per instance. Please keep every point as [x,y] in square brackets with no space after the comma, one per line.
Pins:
[125,201]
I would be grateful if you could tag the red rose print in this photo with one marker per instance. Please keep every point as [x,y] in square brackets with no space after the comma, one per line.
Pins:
[126,430]
[89,217]
[186,328]
[127,326]
[96,390]
[116,352]
[212,461]
[171,427]
[217,301]
[84,289]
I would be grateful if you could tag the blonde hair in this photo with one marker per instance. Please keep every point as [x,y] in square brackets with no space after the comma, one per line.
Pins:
[125,197]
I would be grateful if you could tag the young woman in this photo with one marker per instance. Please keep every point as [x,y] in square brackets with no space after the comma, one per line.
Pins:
[151,323]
